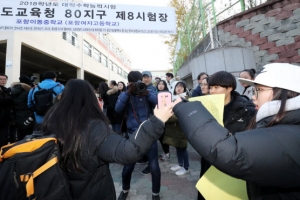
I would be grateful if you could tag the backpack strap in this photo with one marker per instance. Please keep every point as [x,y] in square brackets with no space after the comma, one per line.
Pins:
[29,177]
[25,147]
[55,94]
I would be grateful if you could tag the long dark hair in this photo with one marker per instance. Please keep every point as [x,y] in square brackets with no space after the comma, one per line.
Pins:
[124,86]
[165,84]
[69,120]
[282,95]
[103,88]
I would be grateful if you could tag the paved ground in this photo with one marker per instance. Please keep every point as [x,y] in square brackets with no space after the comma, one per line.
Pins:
[173,187]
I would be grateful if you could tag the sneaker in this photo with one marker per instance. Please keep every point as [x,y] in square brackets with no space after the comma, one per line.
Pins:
[141,161]
[155,197]
[181,171]
[175,168]
[146,171]
[165,157]
[123,195]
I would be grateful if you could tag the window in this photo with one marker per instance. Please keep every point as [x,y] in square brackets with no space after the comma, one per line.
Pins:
[104,60]
[113,48]
[120,70]
[110,64]
[71,37]
[116,68]
[96,55]
[104,40]
[87,48]
[74,39]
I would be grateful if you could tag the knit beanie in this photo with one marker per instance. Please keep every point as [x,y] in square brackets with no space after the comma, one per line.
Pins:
[26,80]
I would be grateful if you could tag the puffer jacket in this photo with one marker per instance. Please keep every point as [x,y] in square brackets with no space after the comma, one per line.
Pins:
[173,134]
[266,157]
[45,84]
[105,147]
[112,115]
[19,94]
[197,92]
[238,113]
[137,109]
[150,86]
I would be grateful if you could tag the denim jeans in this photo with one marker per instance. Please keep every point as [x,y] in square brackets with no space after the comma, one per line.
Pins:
[116,128]
[152,155]
[183,157]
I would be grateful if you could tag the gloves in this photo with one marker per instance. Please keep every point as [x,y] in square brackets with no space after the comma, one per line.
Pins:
[131,89]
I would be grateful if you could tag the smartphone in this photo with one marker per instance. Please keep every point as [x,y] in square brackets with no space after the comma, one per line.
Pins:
[164,98]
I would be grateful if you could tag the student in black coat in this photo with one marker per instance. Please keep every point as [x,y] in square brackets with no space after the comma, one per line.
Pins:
[238,110]
[114,117]
[88,145]
[6,104]
[267,155]
[23,116]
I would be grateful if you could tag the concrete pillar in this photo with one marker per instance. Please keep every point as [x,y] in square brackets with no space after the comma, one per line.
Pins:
[80,73]
[13,59]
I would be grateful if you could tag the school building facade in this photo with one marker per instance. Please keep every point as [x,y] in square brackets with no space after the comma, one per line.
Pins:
[95,57]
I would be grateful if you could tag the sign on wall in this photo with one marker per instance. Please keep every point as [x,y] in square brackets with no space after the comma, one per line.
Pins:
[85,17]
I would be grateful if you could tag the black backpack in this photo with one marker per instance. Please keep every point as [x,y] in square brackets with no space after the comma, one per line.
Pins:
[43,100]
[29,169]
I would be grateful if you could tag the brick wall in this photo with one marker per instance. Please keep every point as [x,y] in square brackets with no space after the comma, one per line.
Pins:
[272,30]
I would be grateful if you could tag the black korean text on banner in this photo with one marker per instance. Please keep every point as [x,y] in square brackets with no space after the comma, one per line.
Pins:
[85,17]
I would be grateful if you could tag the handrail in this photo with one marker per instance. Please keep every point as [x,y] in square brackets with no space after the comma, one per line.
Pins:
[189,36]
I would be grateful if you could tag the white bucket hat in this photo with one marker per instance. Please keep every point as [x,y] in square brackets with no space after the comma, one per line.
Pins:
[281,75]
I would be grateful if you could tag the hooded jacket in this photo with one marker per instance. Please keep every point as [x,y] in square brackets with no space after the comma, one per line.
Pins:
[45,84]
[267,158]
[19,94]
[238,113]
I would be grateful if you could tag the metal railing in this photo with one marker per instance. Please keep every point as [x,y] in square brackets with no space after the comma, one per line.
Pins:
[196,23]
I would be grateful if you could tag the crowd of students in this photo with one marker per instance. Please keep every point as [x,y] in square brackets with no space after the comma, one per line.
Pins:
[259,142]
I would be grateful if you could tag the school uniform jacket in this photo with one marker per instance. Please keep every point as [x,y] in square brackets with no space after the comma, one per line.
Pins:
[267,158]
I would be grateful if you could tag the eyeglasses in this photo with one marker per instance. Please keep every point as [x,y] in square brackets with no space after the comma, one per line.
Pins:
[3,79]
[203,84]
[256,90]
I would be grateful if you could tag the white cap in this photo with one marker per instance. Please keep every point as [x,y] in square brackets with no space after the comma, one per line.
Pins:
[280,75]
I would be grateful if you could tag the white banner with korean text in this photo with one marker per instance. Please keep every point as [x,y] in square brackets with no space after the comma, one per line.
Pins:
[33,15]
